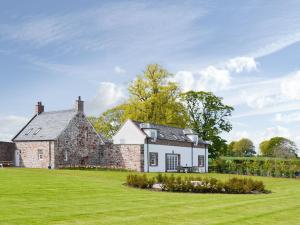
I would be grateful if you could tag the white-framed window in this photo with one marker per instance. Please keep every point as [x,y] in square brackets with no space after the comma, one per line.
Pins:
[201,161]
[40,154]
[153,159]
[66,156]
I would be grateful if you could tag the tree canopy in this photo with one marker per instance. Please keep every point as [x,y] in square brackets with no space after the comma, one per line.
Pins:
[278,147]
[209,117]
[244,147]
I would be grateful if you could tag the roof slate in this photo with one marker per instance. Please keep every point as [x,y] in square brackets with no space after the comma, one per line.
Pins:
[51,124]
[169,133]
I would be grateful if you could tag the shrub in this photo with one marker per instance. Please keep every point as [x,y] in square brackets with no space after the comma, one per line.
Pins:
[197,184]
[256,166]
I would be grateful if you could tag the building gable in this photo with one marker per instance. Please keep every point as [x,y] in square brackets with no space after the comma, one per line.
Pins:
[129,133]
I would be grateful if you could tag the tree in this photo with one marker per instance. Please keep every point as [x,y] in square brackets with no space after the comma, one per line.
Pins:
[244,147]
[264,148]
[153,98]
[230,149]
[109,122]
[279,147]
[208,116]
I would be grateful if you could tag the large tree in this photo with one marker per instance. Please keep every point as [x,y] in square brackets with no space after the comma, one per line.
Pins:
[153,98]
[244,147]
[209,118]
[278,147]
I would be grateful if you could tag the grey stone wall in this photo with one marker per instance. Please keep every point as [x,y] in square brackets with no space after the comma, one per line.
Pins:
[7,150]
[129,157]
[29,153]
[80,142]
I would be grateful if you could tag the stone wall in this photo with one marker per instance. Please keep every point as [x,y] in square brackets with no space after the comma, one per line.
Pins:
[7,150]
[29,153]
[79,144]
[129,157]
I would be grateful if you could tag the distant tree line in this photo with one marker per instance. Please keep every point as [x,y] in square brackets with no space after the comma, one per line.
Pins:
[278,147]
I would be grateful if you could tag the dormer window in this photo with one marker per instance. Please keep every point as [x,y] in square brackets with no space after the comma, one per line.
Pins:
[29,131]
[37,131]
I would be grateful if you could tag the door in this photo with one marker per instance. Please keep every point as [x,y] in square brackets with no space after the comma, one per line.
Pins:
[17,157]
[172,162]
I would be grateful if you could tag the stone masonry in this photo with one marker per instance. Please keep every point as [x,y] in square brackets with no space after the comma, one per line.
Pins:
[129,157]
[79,144]
[30,150]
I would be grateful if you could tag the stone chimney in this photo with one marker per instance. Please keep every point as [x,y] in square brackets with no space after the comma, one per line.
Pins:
[79,105]
[39,108]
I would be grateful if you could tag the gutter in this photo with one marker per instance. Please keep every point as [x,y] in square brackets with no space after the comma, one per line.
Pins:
[147,154]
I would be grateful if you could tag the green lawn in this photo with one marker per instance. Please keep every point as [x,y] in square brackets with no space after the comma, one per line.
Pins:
[37,196]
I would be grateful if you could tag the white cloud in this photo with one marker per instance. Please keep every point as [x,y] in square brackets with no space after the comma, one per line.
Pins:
[282,41]
[119,70]
[10,125]
[290,86]
[276,131]
[240,64]
[287,118]
[208,79]
[214,78]
[108,95]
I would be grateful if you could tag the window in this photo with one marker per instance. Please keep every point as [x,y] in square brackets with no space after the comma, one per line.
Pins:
[201,161]
[40,154]
[36,132]
[66,156]
[153,159]
[29,131]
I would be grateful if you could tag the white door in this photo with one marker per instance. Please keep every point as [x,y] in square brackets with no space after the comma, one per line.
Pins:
[172,162]
[17,157]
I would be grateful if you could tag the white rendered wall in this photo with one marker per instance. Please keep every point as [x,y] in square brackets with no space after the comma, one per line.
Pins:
[129,134]
[185,156]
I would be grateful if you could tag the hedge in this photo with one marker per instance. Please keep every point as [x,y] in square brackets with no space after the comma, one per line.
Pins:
[198,184]
[256,166]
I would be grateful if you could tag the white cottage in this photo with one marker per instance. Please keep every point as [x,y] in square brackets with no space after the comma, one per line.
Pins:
[161,148]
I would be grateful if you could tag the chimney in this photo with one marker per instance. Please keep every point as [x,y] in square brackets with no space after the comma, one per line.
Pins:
[79,105]
[39,108]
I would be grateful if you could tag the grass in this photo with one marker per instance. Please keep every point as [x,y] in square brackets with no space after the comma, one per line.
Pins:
[38,196]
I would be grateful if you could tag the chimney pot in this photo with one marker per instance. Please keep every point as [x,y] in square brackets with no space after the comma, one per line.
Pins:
[79,105]
[39,108]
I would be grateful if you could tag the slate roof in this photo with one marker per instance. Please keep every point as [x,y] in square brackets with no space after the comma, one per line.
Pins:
[168,132]
[45,126]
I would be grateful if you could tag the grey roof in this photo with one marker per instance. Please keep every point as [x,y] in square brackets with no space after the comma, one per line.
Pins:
[168,132]
[45,126]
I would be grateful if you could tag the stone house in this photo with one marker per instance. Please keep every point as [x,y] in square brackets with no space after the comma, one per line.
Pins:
[149,147]
[58,138]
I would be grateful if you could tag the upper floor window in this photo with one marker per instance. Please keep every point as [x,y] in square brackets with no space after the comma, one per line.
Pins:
[40,154]
[153,159]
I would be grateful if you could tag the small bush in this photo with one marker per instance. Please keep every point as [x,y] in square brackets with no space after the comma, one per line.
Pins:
[197,184]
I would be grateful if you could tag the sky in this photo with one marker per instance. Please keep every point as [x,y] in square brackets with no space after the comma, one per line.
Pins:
[245,52]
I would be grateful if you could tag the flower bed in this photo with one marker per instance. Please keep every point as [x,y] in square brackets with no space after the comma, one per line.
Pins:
[198,184]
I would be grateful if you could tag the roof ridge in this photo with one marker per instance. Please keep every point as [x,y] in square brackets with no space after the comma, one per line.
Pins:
[160,125]
[58,111]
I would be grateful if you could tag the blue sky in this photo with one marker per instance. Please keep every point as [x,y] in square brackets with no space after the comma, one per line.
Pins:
[247,53]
